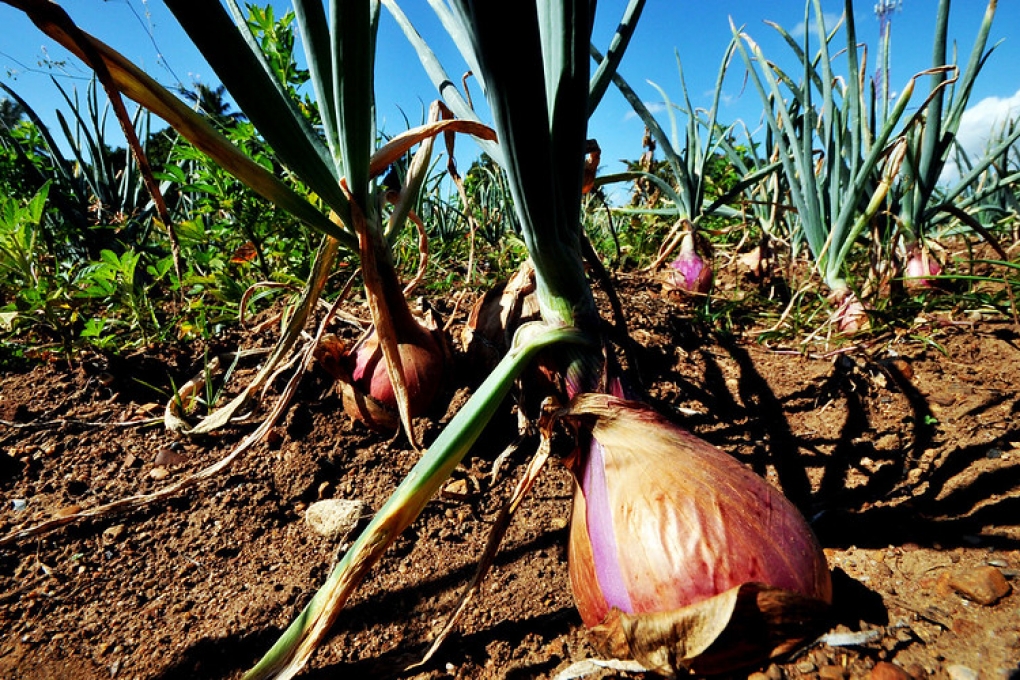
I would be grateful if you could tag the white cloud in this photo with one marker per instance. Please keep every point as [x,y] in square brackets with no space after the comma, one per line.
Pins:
[986,118]
[980,124]
[830,19]
[653,108]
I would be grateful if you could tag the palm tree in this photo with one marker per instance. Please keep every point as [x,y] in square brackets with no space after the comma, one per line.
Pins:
[212,102]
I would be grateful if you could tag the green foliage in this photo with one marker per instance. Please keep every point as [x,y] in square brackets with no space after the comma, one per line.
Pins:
[82,260]
[36,292]
[490,200]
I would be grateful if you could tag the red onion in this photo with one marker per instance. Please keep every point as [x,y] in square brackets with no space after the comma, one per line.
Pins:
[851,314]
[677,549]
[921,265]
[423,362]
[690,273]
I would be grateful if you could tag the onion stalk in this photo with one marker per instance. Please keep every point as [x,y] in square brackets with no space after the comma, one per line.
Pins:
[660,552]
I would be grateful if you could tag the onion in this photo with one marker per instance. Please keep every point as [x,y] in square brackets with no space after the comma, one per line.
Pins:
[680,556]
[689,272]
[851,314]
[364,383]
[423,370]
[921,265]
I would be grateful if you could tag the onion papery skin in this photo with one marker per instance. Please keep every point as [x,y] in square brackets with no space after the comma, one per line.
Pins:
[851,313]
[423,363]
[921,265]
[690,272]
[671,521]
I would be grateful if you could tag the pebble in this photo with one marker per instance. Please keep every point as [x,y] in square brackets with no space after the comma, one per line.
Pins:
[884,670]
[984,585]
[19,504]
[806,667]
[831,672]
[334,518]
[961,672]
[159,472]
[114,533]
[457,489]
[167,456]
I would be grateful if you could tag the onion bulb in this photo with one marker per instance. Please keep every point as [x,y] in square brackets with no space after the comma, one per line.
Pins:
[680,556]
[422,359]
[689,272]
[920,266]
[851,314]
[364,383]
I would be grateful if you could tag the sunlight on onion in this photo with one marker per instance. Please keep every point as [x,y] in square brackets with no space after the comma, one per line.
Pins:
[680,556]
[689,272]
[920,266]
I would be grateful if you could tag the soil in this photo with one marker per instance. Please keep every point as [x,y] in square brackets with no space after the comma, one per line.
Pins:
[904,453]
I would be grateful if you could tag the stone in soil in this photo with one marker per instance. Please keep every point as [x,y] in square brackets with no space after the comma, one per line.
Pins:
[333,518]
[984,585]
[884,670]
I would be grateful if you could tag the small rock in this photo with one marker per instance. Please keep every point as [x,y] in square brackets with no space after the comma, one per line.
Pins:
[884,670]
[67,511]
[806,667]
[984,585]
[961,672]
[114,533]
[324,490]
[831,672]
[159,472]
[131,460]
[457,489]
[165,457]
[333,518]
[19,504]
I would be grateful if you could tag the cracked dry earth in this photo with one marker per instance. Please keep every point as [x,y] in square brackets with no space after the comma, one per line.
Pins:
[905,455]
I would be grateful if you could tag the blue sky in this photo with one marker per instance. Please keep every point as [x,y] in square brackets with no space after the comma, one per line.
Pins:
[696,33]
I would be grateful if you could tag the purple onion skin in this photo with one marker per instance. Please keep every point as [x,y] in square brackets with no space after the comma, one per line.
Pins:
[670,520]
[423,363]
[921,265]
[689,271]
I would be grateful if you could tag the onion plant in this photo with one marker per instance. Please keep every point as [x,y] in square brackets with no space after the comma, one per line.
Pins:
[688,159]
[829,154]
[337,167]
[540,101]
[922,197]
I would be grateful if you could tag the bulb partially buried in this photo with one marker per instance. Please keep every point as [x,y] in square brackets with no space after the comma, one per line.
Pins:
[680,556]
[689,272]
[921,265]
[364,382]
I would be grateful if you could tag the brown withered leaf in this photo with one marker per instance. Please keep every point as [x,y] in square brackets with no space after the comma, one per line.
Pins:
[735,629]
[494,318]
[363,408]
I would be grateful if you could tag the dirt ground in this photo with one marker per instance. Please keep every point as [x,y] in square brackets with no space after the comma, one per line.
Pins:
[904,453]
